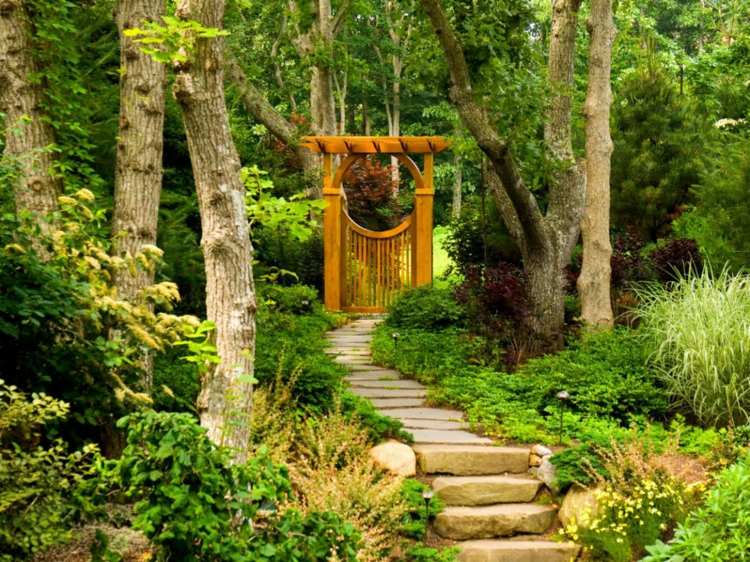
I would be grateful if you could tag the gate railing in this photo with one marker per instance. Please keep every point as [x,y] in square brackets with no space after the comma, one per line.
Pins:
[377,265]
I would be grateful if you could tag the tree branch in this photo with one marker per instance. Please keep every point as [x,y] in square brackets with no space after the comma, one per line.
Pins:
[475,118]
[338,21]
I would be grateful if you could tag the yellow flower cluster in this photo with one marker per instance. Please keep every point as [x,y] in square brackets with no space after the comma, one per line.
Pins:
[620,514]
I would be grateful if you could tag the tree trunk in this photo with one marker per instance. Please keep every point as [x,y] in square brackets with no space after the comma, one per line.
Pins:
[322,101]
[138,172]
[140,141]
[457,186]
[594,282]
[29,141]
[225,401]
[546,241]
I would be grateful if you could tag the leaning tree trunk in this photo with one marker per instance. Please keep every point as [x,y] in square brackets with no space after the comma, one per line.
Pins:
[594,282]
[225,401]
[138,171]
[29,140]
[261,109]
[546,240]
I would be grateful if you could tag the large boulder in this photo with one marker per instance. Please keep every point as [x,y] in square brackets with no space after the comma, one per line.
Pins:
[579,505]
[395,457]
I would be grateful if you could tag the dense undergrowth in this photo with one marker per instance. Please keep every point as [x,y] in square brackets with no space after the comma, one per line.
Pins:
[648,413]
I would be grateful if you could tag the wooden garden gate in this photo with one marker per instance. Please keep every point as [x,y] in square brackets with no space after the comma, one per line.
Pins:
[365,269]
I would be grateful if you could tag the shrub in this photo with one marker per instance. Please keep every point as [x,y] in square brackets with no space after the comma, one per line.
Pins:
[698,331]
[676,258]
[495,298]
[39,483]
[635,505]
[371,194]
[658,151]
[719,222]
[297,299]
[627,262]
[193,503]
[478,238]
[64,329]
[293,346]
[425,307]
[720,529]
[278,251]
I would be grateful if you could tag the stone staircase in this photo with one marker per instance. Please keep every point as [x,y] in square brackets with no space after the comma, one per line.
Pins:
[489,496]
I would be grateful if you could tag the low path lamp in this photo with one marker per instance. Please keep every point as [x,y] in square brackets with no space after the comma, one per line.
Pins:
[427,497]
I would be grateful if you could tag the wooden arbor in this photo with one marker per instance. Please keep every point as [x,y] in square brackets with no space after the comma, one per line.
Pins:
[365,269]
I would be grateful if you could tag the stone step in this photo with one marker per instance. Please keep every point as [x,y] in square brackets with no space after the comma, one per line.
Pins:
[387,403]
[350,341]
[490,521]
[489,550]
[348,351]
[369,367]
[448,436]
[432,424]
[379,383]
[353,359]
[471,460]
[425,414]
[485,490]
[388,392]
[379,375]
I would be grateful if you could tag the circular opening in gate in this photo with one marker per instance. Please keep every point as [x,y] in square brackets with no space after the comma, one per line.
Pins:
[379,191]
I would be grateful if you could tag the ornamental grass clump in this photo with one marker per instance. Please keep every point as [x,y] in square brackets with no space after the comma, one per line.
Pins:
[699,328]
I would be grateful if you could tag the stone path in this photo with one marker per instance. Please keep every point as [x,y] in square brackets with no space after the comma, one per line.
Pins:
[487,490]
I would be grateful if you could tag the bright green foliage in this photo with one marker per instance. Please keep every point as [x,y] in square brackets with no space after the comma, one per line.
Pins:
[426,308]
[296,299]
[277,214]
[174,41]
[195,505]
[63,327]
[720,222]
[294,346]
[659,151]
[698,331]
[604,375]
[718,531]
[38,482]
[420,512]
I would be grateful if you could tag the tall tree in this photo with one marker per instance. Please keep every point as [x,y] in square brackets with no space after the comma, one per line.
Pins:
[225,401]
[29,139]
[546,241]
[595,279]
[316,43]
[138,172]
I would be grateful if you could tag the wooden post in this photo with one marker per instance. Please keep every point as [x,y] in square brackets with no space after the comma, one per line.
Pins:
[423,225]
[332,230]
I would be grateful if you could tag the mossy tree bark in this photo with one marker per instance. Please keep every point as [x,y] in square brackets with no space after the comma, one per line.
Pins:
[29,139]
[594,283]
[225,401]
